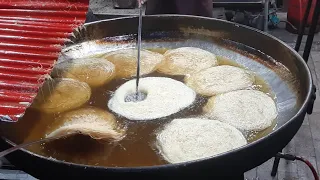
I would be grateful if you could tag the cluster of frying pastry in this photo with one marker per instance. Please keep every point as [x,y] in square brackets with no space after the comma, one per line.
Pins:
[71,87]
[232,108]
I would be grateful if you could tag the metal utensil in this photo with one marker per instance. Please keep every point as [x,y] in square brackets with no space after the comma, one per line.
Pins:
[23,145]
[139,49]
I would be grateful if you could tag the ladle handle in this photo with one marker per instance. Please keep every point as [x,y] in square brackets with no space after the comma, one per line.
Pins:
[141,2]
[17,147]
[139,50]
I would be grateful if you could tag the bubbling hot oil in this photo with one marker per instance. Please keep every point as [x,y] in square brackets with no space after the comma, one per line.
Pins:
[136,149]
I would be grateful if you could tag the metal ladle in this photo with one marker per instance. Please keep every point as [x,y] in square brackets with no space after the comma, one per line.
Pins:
[138,96]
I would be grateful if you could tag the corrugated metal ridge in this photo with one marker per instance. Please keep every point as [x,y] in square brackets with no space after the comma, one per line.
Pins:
[32,33]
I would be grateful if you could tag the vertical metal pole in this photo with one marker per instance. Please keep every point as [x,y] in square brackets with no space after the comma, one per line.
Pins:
[139,49]
[266,15]
[312,31]
[303,26]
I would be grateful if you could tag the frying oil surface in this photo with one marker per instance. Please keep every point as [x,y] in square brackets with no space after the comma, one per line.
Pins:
[136,149]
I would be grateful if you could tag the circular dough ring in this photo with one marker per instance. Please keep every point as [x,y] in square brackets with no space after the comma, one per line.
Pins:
[247,110]
[94,71]
[186,60]
[61,94]
[91,121]
[220,79]
[191,139]
[165,97]
[125,61]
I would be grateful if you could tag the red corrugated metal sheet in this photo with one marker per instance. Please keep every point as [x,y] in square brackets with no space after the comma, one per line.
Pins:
[32,33]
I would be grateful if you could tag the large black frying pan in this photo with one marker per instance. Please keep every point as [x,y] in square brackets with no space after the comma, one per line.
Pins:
[279,65]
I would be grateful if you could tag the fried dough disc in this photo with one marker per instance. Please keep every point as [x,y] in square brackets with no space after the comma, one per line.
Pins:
[59,95]
[94,71]
[164,96]
[191,139]
[247,110]
[94,122]
[186,60]
[220,79]
[125,61]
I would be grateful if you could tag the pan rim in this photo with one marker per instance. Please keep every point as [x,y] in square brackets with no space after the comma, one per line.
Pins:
[165,166]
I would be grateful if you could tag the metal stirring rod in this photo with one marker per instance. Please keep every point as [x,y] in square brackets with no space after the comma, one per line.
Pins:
[23,145]
[139,50]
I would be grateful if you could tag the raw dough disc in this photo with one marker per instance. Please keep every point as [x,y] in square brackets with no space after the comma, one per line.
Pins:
[191,139]
[247,110]
[220,79]
[165,96]
[186,60]
[61,94]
